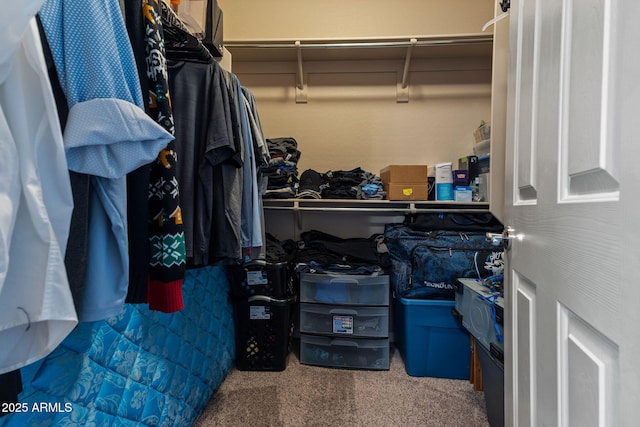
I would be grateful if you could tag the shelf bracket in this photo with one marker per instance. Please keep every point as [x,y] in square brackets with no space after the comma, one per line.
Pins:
[298,216]
[402,91]
[301,87]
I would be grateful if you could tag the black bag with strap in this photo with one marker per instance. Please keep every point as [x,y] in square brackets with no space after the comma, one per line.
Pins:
[453,221]
[426,264]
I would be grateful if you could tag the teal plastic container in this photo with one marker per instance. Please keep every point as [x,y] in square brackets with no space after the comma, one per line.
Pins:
[430,340]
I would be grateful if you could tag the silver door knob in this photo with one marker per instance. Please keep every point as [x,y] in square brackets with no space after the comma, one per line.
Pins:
[498,239]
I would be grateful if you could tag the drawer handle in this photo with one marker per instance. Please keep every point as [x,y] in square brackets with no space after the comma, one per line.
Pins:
[345,281]
[271,300]
[341,311]
[344,343]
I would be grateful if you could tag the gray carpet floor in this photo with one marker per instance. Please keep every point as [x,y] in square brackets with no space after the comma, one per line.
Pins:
[304,395]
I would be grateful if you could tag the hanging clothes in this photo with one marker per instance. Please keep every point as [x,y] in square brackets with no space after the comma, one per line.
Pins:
[206,143]
[157,279]
[251,226]
[36,306]
[244,140]
[138,180]
[261,147]
[210,157]
[261,151]
[260,154]
[226,242]
[166,230]
[102,87]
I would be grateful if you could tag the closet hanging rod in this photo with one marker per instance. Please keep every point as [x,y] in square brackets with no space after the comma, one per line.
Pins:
[377,210]
[360,44]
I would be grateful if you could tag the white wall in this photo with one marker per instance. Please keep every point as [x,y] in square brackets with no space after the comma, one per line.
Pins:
[267,19]
[352,117]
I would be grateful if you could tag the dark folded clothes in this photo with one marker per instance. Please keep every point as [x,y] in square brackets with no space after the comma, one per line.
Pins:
[282,171]
[352,177]
[371,192]
[279,181]
[279,169]
[306,255]
[354,251]
[350,193]
[280,175]
[320,252]
[280,193]
[285,148]
[279,251]
[356,184]
[371,179]
[316,267]
[278,161]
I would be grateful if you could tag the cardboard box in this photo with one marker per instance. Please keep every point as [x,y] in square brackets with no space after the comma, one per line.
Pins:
[404,174]
[407,191]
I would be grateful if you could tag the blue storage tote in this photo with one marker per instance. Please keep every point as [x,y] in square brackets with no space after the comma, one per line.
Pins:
[430,340]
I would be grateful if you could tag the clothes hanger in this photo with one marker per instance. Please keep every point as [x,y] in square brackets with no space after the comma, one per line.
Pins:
[180,44]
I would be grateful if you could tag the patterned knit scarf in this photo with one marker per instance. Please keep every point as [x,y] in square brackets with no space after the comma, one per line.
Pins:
[166,231]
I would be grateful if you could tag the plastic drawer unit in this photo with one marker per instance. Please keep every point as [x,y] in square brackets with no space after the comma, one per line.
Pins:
[334,288]
[344,320]
[481,311]
[344,353]
[349,321]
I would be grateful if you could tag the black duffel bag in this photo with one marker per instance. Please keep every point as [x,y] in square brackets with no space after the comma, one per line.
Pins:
[425,264]
[453,221]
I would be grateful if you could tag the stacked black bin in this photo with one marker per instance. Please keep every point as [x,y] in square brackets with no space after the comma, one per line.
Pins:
[263,298]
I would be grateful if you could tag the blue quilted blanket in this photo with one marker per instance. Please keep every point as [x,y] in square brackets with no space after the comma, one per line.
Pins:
[139,368]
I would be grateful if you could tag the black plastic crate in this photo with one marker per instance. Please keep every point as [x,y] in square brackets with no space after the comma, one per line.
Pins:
[264,329]
[259,277]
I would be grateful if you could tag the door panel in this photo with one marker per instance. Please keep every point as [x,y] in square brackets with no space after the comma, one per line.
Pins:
[526,309]
[526,103]
[588,367]
[572,202]
[588,161]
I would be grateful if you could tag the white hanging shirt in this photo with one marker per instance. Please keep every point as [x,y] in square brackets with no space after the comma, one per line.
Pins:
[36,307]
